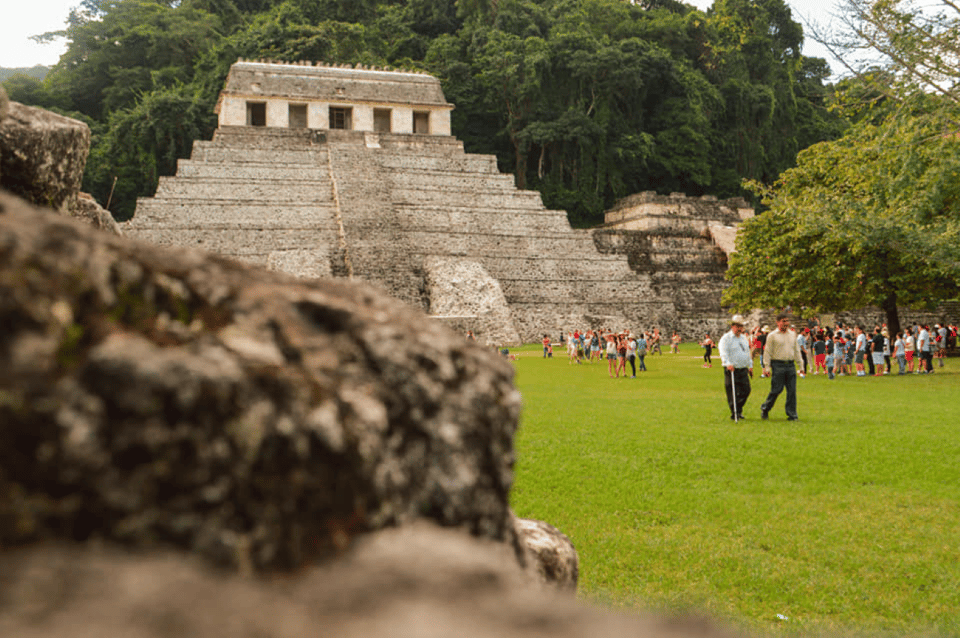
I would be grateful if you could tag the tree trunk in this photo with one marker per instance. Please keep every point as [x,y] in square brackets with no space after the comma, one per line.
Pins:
[889,307]
[520,170]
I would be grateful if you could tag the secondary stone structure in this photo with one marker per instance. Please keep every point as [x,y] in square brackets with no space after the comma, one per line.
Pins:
[682,244]
[352,172]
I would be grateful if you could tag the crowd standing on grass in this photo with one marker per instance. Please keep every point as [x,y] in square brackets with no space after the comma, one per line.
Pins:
[784,354]
[861,351]
[620,349]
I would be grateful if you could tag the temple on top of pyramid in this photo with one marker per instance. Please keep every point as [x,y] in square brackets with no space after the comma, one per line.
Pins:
[306,96]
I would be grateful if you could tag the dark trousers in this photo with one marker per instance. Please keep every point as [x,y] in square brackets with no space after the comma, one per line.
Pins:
[927,358]
[739,381]
[633,364]
[783,374]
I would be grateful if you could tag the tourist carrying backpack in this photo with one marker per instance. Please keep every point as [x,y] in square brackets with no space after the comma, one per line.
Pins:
[642,351]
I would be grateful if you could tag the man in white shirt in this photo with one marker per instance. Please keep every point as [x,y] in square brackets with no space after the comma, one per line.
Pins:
[926,355]
[734,348]
[781,357]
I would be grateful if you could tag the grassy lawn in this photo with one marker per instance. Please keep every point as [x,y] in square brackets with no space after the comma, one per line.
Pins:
[845,522]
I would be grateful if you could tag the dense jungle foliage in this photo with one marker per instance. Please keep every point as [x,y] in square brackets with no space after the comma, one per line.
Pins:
[37,72]
[584,100]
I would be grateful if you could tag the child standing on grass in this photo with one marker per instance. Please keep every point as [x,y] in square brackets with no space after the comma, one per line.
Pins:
[707,344]
[820,354]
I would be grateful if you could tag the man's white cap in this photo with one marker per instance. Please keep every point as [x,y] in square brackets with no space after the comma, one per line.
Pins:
[737,319]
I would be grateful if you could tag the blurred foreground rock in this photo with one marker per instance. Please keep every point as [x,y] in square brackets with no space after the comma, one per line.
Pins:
[414,582]
[170,398]
[4,108]
[550,554]
[86,209]
[42,155]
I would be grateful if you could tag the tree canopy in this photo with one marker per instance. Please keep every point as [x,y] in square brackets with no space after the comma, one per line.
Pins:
[916,44]
[871,219]
[584,100]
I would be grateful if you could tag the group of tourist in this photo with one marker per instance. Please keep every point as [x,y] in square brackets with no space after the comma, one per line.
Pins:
[786,353]
[618,348]
[841,350]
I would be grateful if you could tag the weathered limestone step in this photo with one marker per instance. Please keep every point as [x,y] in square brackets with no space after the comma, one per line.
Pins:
[479,219]
[486,245]
[253,246]
[482,164]
[227,156]
[490,198]
[247,171]
[231,214]
[519,266]
[219,153]
[435,219]
[680,260]
[598,292]
[451,181]
[244,190]
[266,137]
[413,144]
[529,245]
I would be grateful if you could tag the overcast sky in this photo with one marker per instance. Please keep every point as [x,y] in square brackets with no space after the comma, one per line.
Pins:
[24,18]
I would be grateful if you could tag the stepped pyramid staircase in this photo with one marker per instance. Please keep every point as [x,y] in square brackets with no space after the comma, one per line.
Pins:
[435,226]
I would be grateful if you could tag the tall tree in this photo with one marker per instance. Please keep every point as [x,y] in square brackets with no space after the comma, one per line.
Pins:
[917,43]
[869,219]
[140,143]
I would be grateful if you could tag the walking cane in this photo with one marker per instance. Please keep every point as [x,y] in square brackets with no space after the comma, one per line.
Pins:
[733,389]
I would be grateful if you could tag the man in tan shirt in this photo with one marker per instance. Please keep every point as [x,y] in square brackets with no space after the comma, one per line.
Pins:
[781,356]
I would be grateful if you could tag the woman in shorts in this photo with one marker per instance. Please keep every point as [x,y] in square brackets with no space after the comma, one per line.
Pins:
[611,354]
[621,355]
[909,346]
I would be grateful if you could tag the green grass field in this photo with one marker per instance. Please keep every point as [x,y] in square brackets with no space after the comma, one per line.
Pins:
[846,522]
